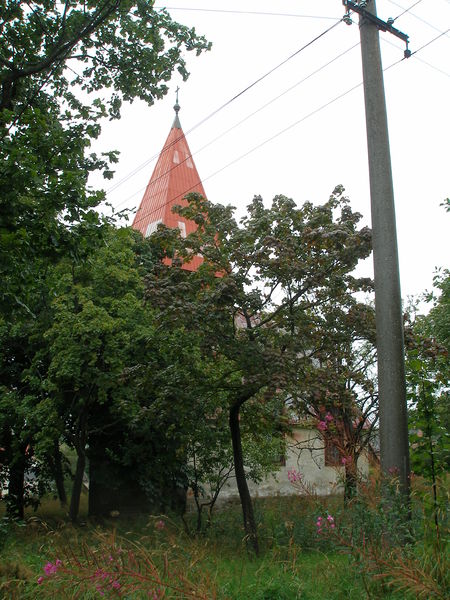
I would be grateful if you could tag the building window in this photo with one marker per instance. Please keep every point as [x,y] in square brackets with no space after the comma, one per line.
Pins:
[332,453]
[152,227]
[176,157]
[281,460]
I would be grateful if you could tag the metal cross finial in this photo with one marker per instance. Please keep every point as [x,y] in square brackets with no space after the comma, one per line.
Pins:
[177,106]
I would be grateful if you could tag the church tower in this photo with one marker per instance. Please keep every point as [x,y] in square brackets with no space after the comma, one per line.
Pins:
[174,176]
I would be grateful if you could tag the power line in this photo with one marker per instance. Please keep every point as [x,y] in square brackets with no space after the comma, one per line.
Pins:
[217,110]
[442,33]
[407,9]
[415,16]
[292,125]
[388,41]
[245,12]
[318,70]
[273,137]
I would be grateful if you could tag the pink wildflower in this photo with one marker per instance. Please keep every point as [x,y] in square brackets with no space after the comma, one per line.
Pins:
[325,524]
[294,475]
[160,524]
[322,425]
[115,584]
[40,580]
[50,568]
[319,524]
[328,417]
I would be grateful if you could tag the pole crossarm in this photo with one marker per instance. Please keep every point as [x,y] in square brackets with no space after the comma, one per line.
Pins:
[379,23]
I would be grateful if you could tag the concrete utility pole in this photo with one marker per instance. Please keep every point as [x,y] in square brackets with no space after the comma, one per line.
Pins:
[389,321]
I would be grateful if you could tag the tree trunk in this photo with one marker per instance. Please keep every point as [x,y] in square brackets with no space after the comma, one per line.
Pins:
[351,481]
[77,484]
[15,500]
[244,494]
[58,475]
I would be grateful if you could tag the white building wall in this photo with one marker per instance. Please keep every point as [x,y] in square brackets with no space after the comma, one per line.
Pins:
[305,454]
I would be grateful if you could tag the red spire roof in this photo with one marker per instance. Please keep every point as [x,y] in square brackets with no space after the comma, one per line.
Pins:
[173,177]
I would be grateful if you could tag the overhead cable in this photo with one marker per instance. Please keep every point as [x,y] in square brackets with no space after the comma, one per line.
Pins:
[416,16]
[312,113]
[425,62]
[274,99]
[408,9]
[228,102]
[245,12]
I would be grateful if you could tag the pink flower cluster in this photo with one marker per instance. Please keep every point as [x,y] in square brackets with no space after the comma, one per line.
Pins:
[160,524]
[323,424]
[294,476]
[50,569]
[325,524]
[100,577]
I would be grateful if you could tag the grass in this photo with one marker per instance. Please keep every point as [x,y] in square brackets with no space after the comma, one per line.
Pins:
[294,563]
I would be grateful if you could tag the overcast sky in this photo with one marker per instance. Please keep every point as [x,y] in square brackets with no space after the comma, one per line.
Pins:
[307,140]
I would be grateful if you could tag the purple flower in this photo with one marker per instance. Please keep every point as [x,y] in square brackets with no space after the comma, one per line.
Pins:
[322,425]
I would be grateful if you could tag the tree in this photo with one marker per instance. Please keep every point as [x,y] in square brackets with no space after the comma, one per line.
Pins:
[54,57]
[339,394]
[251,297]
[427,345]
[98,316]
[210,453]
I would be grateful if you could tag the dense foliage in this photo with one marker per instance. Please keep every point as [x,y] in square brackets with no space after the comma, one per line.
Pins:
[65,68]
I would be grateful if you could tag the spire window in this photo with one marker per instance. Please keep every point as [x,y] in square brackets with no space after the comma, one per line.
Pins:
[152,227]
